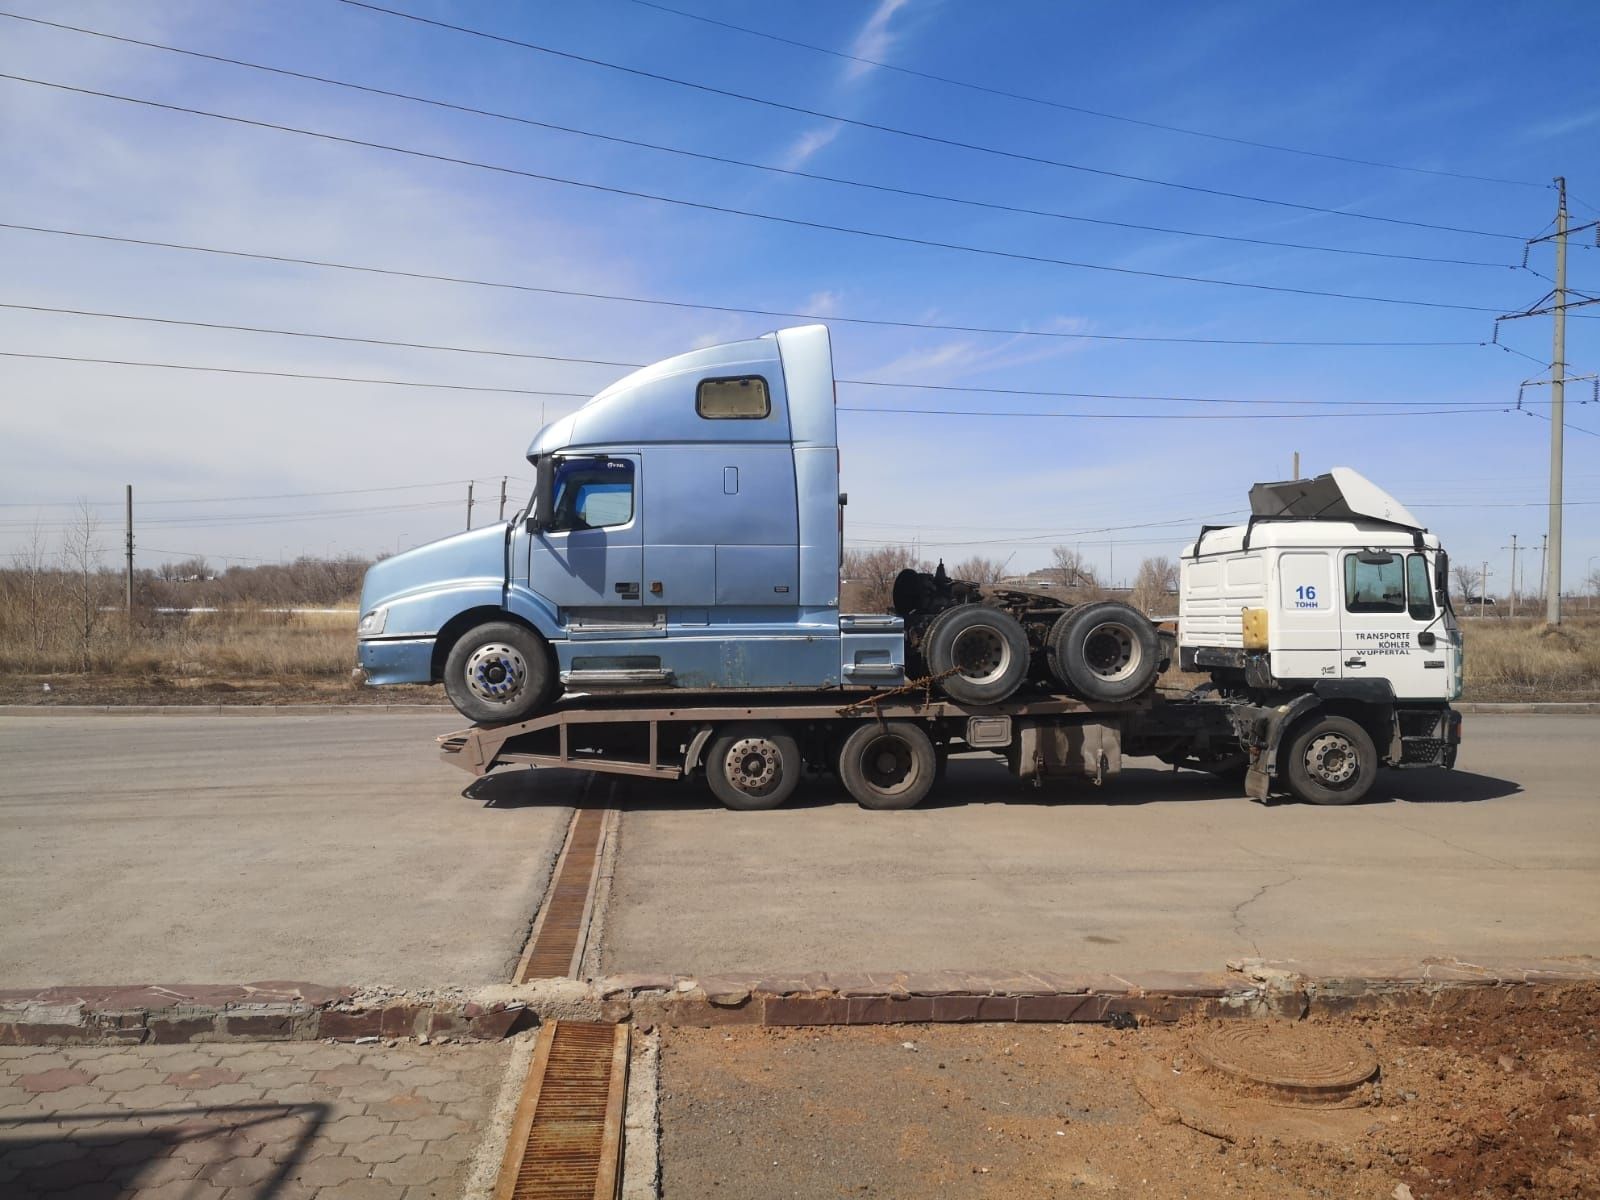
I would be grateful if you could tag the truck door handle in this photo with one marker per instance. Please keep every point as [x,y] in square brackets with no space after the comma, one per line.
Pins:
[1355,662]
[628,591]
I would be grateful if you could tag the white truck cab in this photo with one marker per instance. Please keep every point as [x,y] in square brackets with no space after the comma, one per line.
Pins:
[1332,597]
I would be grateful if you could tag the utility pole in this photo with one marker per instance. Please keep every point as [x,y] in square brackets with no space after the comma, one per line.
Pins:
[129,539]
[1513,549]
[1296,474]
[1544,581]
[469,504]
[1483,590]
[502,497]
[1558,387]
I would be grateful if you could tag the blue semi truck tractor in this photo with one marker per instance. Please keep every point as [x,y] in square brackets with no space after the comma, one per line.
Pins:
[685,538]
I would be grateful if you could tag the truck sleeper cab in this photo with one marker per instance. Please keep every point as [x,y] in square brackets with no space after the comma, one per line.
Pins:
[685,532]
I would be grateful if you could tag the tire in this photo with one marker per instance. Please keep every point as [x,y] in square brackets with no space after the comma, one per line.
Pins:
[982,653]
[752,767]
[888,765]
[1330,760]
[500,672]
[1106,651]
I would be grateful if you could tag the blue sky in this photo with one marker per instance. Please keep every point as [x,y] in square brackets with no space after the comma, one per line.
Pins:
[1472,89]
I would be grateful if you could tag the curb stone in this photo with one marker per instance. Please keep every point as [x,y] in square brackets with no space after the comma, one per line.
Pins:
[287,1011]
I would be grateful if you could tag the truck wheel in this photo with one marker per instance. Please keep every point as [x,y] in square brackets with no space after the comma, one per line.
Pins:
[499,672]
[752,767]
[982,653]
[1330,760]
[1105,651]
[888,765]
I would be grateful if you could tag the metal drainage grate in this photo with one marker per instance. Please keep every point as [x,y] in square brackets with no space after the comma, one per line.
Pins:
[566,1141]
[556,944]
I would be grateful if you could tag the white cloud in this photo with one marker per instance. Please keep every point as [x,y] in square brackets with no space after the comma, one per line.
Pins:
[807,144]
[875,38]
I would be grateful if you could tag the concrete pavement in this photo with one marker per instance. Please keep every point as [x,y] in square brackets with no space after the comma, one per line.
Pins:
[1159,871]
[336,848]
[243,1121]
[226,848]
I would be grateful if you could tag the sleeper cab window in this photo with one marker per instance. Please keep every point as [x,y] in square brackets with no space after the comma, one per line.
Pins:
[744,398]
[593,493]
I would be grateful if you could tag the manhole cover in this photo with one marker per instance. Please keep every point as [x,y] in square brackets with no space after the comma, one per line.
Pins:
[1301,1064]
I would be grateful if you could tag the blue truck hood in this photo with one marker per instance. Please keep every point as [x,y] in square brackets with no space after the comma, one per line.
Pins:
[477,555]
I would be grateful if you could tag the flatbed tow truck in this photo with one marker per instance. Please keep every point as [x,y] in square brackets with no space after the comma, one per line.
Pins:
[668,605]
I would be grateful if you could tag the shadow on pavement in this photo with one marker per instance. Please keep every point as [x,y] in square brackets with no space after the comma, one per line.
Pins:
[967,781]
[119,1152]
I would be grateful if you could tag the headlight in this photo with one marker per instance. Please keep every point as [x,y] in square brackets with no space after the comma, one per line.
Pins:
[372,624]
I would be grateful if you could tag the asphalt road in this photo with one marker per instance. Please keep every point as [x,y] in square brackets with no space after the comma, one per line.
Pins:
[1158,871]
[337,849]
[236,847]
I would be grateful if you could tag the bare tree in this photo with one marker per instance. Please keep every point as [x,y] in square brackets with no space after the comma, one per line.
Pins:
[978,569]
[1073,572]
[869,575]
[1467,581]
[80,557]
[1157,579]
[35,587]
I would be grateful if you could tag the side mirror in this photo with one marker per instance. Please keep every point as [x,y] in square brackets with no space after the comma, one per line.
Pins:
[1441,579]
[539,513]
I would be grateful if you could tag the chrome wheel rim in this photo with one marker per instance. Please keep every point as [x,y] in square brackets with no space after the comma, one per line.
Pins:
[496,673]
[754,766]
[1111,651]
[980,654]
[1331,760]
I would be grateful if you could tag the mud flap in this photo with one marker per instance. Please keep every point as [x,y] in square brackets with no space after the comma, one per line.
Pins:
[1264,765]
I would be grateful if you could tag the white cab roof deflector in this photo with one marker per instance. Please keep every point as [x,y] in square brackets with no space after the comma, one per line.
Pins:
[1340,495]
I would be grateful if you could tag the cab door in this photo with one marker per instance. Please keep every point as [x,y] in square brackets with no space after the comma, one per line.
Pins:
[591,556]
[1388,607]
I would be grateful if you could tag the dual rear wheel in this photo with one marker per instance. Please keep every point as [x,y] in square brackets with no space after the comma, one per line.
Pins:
[883,765]
[1106,652]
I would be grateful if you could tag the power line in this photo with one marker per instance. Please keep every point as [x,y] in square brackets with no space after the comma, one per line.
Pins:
[908,133]
[471,350]
[1074,108]
[169,366]
[1002,391]
[885,322]
[1564,425]
[326,337]
[754,214]
[398,487]
[738,162]
[1097,416]
[1459,406]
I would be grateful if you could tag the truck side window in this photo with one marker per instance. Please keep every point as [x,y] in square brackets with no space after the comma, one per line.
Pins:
[593,493]
[1375,586]
[744,398]
[1419,588]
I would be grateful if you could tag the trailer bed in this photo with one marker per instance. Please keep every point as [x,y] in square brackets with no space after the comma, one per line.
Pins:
[624,736]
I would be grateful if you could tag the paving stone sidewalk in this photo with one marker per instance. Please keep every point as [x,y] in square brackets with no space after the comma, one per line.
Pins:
[244,1121]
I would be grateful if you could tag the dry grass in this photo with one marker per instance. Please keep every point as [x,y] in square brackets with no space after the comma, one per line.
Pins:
[1524,660]
[253,653]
